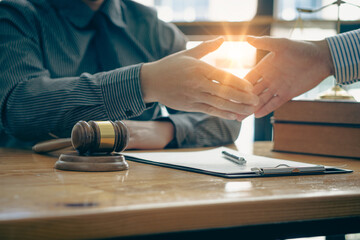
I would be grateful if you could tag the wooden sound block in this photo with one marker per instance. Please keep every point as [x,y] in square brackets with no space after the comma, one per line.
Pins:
[97,163]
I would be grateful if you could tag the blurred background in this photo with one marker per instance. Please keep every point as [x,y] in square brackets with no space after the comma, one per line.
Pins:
[206,19]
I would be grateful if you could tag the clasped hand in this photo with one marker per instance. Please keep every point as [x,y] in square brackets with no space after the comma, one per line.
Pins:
[290,69]
[181,81]
[184,82]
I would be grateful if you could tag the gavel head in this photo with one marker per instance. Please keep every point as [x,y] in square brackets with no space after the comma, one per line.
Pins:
[99,136]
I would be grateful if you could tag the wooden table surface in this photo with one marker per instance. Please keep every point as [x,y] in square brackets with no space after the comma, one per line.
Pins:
[38,201]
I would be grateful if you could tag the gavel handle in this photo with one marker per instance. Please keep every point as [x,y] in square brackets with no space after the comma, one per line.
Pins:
[52,145]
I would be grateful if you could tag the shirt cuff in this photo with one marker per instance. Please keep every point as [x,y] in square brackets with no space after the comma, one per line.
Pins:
[121,91]
[182,130]
[345,53]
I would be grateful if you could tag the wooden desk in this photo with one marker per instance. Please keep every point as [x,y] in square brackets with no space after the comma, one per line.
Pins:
[39,202]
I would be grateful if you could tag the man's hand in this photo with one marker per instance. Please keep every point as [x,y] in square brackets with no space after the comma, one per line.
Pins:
[149,134]
[183,82]
[290,69]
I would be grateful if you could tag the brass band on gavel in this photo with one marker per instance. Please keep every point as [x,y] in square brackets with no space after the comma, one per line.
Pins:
[99,136]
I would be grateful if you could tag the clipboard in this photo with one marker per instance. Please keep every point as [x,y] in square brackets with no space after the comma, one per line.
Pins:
[212,162]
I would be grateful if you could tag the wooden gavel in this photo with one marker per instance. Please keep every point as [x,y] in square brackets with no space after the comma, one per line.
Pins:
[91,137]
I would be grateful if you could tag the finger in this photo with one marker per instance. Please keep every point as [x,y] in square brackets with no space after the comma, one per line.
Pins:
[253,76]
[260,87]
[241,117]
[205,48]
[264,98]
[264,67]
[265,43]
[226,78]
[211,110]
[229,93]
[270,106]
[270,80]
[225,105]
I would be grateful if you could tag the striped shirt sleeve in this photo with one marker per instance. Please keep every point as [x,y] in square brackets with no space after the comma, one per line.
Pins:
[121,92]
[345,52]
[34,104]
[57,104]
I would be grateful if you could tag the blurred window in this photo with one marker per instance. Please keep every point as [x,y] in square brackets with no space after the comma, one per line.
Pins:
[286,10]
[203,10]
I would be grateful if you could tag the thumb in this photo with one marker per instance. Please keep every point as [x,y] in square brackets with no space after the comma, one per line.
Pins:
[205,48]
[265,43]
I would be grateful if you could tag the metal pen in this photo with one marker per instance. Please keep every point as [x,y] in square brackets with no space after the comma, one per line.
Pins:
[234,158]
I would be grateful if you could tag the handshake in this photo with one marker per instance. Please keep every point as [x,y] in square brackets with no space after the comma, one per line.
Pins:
[183,82]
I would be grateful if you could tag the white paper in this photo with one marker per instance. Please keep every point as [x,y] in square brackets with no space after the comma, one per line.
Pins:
[213,160]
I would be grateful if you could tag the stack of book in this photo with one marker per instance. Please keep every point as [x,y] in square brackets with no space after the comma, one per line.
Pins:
[318,127]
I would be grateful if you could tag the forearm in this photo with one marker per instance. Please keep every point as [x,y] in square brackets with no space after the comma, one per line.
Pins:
[325,56]
[345,53]
[181,130]
[149,134]
[42,105]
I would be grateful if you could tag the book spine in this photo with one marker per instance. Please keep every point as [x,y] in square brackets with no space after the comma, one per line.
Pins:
[317,111]
[330,140]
